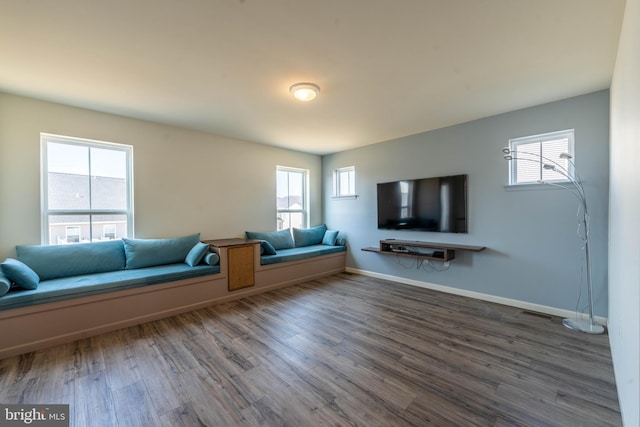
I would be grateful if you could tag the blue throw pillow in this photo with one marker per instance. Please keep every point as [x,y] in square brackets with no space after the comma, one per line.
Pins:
[267,248]
[309,236]
[54,261]
[142,253]
[279,239]
[20,273]
[5,284]
[330,237]
[212,258]
[196,253]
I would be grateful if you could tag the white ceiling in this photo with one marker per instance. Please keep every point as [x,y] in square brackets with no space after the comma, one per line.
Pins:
[386,68]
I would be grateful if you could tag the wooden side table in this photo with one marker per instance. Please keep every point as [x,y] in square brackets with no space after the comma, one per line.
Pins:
[240,260]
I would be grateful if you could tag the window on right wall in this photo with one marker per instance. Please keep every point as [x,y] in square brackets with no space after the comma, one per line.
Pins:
[531,153]
[344,182]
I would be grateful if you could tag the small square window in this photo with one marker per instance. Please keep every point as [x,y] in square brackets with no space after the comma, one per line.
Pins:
[541,158]
[344,182]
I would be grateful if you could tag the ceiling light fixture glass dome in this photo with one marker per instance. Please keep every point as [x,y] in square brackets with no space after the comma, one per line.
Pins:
[305,91]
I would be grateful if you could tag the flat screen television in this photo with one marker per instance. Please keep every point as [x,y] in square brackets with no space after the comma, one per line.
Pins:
[429,204]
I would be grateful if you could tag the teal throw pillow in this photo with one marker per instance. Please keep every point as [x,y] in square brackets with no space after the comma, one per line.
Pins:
[20,273]
[330,237]
[212,258]
[309,236]
[142,253]
[55,261]
[279,239]
[267,248]
[5,284]
[196,254]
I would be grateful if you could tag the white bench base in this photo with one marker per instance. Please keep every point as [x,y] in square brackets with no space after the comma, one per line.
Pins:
[40,326]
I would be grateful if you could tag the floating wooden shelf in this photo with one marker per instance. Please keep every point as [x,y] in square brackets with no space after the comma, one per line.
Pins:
[423,250]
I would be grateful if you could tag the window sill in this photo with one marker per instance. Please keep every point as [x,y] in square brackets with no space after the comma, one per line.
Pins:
[536,186]
[352,196]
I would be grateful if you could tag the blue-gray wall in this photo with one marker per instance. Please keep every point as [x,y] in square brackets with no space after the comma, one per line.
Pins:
[533,253]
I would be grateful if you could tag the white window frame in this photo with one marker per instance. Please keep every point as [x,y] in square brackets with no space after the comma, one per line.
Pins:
[45,139]
[539,158]
[305,201]
[339,175]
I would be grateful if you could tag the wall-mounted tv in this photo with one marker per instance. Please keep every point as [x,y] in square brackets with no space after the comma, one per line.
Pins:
[429,204]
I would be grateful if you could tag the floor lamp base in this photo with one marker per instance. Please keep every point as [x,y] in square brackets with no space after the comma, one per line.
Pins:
[586,326]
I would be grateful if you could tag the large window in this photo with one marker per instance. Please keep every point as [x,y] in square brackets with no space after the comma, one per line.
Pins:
[291,198]
[87,190]
[540,158]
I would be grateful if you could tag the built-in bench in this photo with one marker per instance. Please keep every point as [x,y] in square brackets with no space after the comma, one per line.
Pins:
[66,292]
[296,254]
[289,257]
[286,273]
[99,283]
[84,290]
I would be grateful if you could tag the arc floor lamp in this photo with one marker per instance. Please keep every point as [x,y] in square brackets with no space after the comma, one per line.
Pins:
[573,184]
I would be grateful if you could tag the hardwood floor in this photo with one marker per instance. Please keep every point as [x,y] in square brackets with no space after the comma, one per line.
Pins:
[345,350]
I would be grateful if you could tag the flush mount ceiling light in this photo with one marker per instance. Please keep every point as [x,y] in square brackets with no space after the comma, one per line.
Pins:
[305,91]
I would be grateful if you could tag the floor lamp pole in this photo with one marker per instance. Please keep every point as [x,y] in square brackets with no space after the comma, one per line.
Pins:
[583,325]
[586,325]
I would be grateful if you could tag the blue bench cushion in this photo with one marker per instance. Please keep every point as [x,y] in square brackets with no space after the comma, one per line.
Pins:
[309,236]
[143,253]
[267,248]
[19,273]
[279,239]
[5,284]
[212,259]
[304,252]
[330,237]
[52,262]
[196,254]
[77,286]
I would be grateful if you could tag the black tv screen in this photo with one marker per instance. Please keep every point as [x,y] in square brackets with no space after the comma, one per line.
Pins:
[428,204]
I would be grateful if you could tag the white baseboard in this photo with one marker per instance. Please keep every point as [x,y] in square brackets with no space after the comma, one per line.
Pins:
[477,295]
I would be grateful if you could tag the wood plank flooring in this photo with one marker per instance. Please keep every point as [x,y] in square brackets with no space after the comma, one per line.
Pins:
[344,350]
